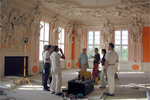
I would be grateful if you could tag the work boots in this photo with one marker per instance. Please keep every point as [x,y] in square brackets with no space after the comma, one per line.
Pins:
[96,80]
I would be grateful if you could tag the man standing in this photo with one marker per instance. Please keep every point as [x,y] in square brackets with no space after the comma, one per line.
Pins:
[56,71]
[83,60]
[46,69]
[111,59]
[45,48]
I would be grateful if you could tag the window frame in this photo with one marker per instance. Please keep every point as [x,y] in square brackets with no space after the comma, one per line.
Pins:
[43,41]
[93,45]
[121,45]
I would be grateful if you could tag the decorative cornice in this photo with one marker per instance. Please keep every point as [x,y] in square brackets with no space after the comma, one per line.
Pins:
[71,11]
[31,4]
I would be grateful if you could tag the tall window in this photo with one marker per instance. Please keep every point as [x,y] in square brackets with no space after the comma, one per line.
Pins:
[61,38]
[44,37]
[121,44]
[93,42]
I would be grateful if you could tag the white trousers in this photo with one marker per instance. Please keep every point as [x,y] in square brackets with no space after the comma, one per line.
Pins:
[111,80]
[116,67]
[102,82]
[56,83]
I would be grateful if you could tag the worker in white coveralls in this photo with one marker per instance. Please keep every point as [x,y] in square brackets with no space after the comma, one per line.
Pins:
[56,71]
[111,58]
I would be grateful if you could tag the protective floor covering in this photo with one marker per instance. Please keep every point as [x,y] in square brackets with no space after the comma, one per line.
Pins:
[122,92]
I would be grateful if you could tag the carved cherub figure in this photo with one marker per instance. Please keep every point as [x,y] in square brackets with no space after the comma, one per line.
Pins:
[69,33]
[136,30]
[79,33]
[107,29]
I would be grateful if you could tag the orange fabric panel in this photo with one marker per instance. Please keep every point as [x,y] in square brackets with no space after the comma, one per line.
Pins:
[65,45]
[146,44]
[85,42]
[135,52]
[69,64]
[72,47]
[34,55]
[79,47]
[77,64]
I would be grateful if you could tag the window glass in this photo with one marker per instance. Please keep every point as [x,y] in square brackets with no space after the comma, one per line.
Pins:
[97,33]
[117,49]
[61,39]
[91,33]
[44,38]
[90,41]
[121,44]
[124,53]
[90,52]
[42,31]
[41,46]
[46,31]
[93,42]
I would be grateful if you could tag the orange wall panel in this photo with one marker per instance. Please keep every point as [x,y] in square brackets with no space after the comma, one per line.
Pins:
[146,44]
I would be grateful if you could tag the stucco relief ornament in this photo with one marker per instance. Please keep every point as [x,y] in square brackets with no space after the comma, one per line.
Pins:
[36,20]
[8,27]
[69,33]
[79,33]
[136,30]
[5,26]
[17,25]
[11,26]
[107,28]
[56,31]
[17,30]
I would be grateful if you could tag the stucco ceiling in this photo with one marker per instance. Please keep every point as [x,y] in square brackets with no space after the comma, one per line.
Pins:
[97,3]
[86,10]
